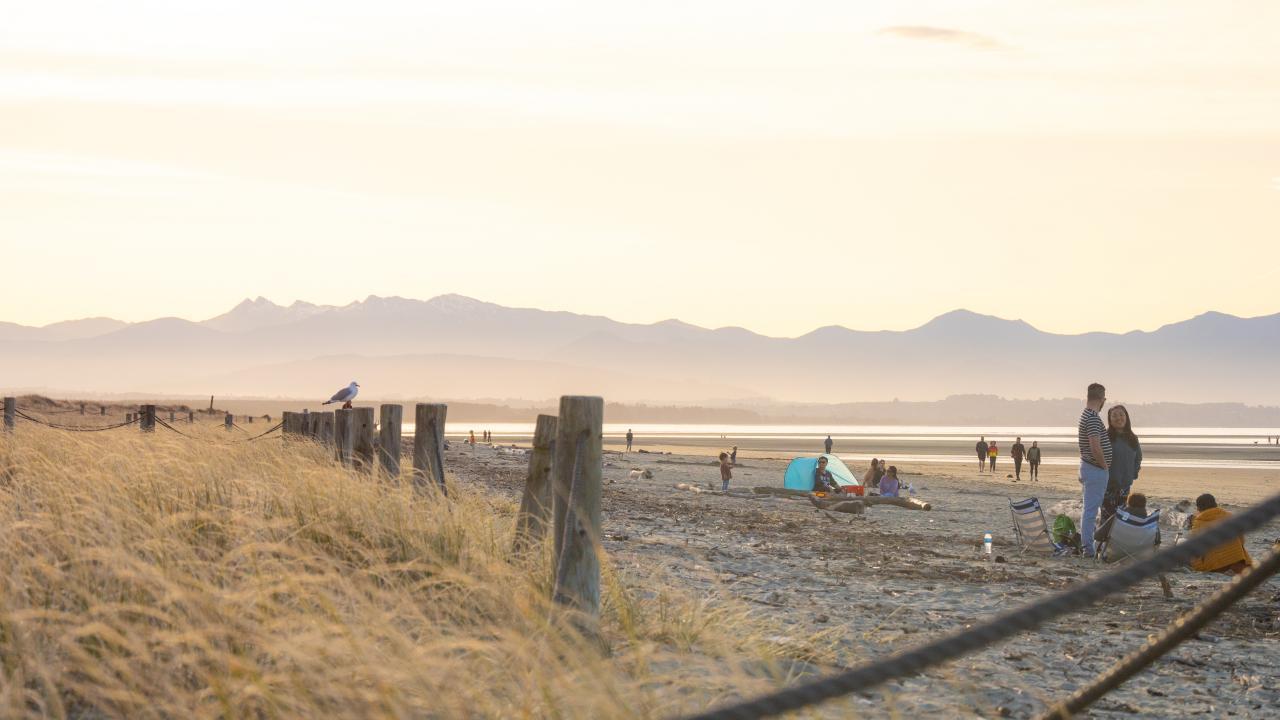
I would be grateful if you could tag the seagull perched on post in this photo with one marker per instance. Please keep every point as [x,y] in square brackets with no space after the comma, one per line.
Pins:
[345,395]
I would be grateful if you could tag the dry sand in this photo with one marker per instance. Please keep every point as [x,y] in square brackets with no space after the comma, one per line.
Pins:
[892,578]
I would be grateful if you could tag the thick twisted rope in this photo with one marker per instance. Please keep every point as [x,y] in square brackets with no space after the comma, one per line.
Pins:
[1000,628]
[1181,629]
[72,428]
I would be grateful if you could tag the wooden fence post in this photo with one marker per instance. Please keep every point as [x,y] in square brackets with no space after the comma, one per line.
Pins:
[389,439]
[362,427]
[248,419]
[344,435]
[323,428]
[128,417]
[191,417]
[10,409]
[81,408]
[102,409]
[286,428]
[148,419]
[576,474]
[227,421]
[428,444]
[535,506]
[172,417]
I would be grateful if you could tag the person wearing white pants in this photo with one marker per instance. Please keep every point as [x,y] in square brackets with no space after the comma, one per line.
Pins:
[1095,460]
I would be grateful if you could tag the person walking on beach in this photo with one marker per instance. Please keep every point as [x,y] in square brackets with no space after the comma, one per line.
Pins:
[827,444]
[726,473]
[1033,460]
[630,437]
[1017,452]
[981,447]
[733,456]
[992,452]
[1095,463]
[1126,454]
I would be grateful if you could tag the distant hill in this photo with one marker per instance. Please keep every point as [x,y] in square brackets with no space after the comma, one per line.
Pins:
[459,347]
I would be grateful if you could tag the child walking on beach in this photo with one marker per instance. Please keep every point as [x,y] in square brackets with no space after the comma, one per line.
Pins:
[726,472]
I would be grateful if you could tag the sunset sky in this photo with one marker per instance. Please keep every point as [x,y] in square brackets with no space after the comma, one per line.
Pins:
[778,166]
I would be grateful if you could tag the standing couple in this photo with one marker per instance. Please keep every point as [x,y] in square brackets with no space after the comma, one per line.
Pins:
[1110,459]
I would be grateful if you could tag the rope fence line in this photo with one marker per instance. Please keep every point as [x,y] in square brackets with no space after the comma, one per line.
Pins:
[1003,626]
[1179,630]
[73,428]
[164,424]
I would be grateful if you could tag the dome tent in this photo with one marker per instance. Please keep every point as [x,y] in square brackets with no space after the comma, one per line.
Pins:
[799,474]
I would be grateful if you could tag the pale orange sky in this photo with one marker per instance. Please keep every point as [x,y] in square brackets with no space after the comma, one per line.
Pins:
[770,165]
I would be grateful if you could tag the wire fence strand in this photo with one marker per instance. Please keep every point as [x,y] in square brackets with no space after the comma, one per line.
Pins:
[1000,628]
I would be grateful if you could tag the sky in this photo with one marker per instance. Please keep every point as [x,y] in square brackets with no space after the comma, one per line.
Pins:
[1084,165]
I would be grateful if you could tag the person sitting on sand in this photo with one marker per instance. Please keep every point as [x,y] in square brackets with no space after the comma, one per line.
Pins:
[871,478]
[1229,557]
[823,481]
[889,483]
[726,472]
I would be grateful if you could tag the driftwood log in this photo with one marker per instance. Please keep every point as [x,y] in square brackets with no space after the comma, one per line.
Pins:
[834,503]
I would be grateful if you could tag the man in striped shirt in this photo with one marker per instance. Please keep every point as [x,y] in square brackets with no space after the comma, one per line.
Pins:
[1095,460]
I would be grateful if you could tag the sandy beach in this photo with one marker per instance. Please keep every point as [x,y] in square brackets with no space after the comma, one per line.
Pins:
[893,578]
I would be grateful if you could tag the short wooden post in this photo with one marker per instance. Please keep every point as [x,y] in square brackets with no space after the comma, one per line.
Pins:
[191,417]
[10,412]
[323,428]
[227,421]
[148,419]
[286,429]
[81,408]
[102,409]
[172,417]
[428,444]
[128,417]
[362,443]
[535,506]
[344,435]
[249,419]
[576,475]
[389,439]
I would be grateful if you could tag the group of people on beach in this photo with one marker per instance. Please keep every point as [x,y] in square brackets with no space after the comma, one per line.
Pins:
[1110,461]
[988,452]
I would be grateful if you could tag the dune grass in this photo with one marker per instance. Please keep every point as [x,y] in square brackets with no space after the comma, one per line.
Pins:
[162,576]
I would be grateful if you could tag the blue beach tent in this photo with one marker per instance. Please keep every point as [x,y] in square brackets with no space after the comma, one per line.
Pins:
[799,475]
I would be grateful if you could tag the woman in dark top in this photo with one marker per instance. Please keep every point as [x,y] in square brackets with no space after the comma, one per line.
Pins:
[1126,461]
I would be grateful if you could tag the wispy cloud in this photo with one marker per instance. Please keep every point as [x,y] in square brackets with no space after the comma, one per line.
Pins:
[951,36]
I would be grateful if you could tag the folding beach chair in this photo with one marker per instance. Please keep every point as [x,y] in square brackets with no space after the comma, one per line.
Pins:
[1133,537]
[1030,526]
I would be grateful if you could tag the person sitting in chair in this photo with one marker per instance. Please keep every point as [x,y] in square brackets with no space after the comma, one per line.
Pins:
[1229,557]
[1136,506]
[823,481]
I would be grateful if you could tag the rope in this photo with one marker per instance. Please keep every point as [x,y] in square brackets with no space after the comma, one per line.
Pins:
[1179,630]
[72,428]
[911,662]
[164,424]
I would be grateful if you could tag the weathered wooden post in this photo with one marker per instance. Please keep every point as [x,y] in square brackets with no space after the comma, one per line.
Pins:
[128,417]
[323,428]
[147,421]
[362,444]
[227,421]
[81,408]
[102,409]
[344,435]
[576,474]
[389,439]
[10,411]
[249,419]
[172,417]
[286,429]
[191,417]
[535,506]
[428,444]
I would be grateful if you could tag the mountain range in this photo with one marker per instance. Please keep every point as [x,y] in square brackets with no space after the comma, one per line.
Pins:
[461,348]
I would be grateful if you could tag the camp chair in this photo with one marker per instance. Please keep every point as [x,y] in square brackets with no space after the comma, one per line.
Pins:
[1133,537]
[1030,526]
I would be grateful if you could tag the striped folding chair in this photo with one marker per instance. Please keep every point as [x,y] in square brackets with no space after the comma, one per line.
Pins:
[1030,526]
[1133,537]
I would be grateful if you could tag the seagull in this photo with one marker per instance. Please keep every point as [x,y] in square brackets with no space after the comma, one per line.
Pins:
[345,395]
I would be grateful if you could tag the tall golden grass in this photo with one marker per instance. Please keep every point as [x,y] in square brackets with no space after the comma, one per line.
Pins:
[163,576]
